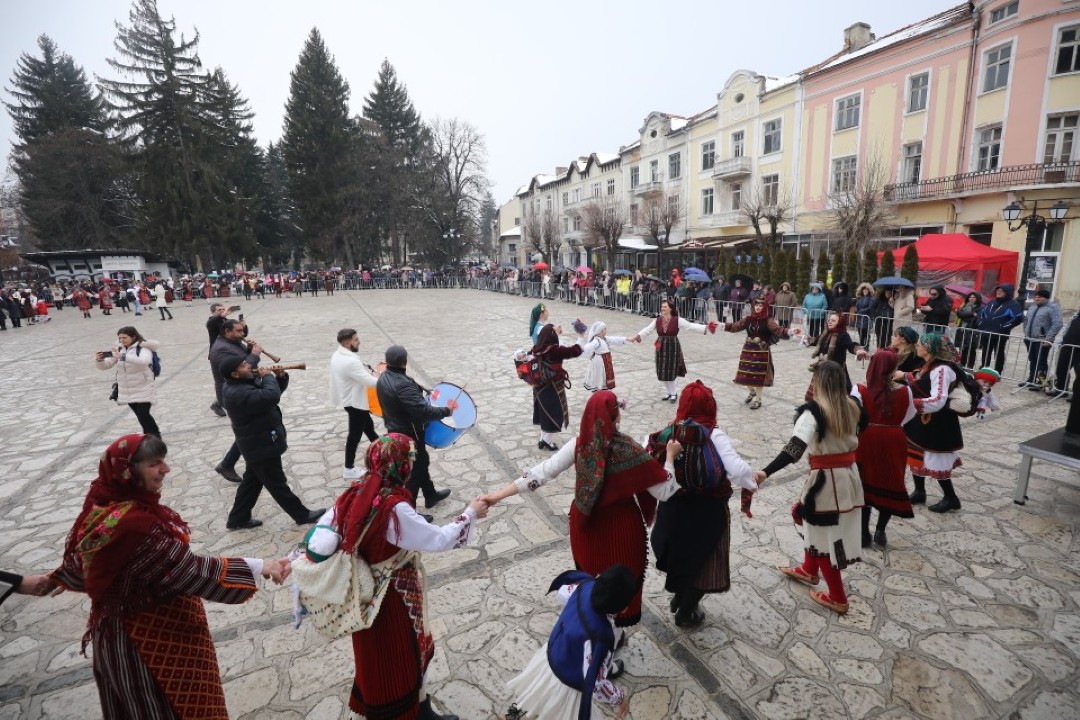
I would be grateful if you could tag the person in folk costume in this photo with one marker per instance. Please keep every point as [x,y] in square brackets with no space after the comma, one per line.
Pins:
[692,536]
[153,655]
[669,357]
[834,344]
[576,666]
[376,519]
[882,452]
[82,299]
[903,341]
[755,359]
[208,290]
[831,498]
[186,292]
[538,318]
[105,299]
[145,298]
[596,347]
[618,484]
[934,435]
[550,411]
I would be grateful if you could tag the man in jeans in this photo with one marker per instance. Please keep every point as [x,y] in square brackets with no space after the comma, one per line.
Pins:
[251,400]
[1041,326]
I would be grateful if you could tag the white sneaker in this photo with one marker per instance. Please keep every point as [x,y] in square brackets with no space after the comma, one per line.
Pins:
[352,473]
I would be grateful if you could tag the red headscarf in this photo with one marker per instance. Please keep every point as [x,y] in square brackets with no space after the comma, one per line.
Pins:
[762,314]
[879,379]
[841,323]
[698,404]
[389,463]
[611,466]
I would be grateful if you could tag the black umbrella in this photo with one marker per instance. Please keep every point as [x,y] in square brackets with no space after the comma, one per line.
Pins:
[747,281]
[653,277]
[893,282]
[623,272]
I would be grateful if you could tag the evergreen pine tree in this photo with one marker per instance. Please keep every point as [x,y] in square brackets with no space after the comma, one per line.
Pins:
[390,107]
[319,144]
[910,268]
[824,265]
[802,274]
[782,272]
[50,94]
[888,264]
[869,265]
[279,229]
[851,263]
[839,268]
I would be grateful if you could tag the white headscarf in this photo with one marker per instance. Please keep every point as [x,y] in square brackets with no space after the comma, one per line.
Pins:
[597,328]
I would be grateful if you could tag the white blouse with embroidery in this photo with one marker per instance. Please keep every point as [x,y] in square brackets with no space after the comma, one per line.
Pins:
[543,473]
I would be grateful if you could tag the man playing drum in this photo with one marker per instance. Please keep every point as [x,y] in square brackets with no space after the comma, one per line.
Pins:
[407,411]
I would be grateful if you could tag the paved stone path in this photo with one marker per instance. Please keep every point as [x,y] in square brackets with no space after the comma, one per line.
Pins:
[969,615]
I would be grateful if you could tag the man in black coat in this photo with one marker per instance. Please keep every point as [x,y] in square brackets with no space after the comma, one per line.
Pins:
[229,343]
[407,411]
[251,399]
[1068,358]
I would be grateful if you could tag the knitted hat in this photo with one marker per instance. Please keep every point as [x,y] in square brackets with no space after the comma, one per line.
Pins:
[909,334]
[614,589]
[229,364]
[989,375]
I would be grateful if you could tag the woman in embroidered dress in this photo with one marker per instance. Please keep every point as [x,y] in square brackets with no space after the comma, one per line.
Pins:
[618,485]
[153,656]
[82,299]
[550,411]
[596,347]
[692,539]
[882,453]
[669,357]
[831,498]
[105,299]
[755,360]
[934,436]
[376,518]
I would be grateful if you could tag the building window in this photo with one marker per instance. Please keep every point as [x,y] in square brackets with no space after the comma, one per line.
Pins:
[912,168]
[1068,52]
[547,203]
[736,196]
[565,198]
[847,112]
[988,149]
[1060,138]
[674,166]
[654,171]
[1005,11]
[996,74]
[982,233]
[708,155]
[770,190]
[511,249]
[918,86]
[611,186]
[737,144]
[844,171]
[577,223]
[771,139]
[577,195]
[634,214]
[673,204]
[707,201]
[635,177]
[517,221]
[596,190]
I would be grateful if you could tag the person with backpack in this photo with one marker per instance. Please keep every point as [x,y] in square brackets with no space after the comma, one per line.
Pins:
[134,358]
[755,359]
[692,535]
[550,410]
[576,666]
[934,435]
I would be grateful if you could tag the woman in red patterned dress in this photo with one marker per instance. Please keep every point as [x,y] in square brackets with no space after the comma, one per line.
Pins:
[882,452]
[153,656]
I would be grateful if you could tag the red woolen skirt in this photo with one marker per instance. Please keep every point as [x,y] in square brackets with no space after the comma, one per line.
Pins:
[612,534]
[882,461]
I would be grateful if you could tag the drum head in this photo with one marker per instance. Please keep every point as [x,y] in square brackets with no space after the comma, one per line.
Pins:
[465,415]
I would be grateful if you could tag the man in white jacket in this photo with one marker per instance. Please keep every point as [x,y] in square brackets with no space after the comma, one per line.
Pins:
[350,379]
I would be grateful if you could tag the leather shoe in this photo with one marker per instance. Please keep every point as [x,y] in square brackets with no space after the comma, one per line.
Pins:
[918,497]
[246,525]
[311,517]
[945,504]
[428,518]
[435,498]
[218,410]
[228,473]
[879,538]
[689,620]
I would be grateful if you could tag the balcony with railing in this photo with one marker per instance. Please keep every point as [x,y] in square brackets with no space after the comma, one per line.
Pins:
[732,168]
[648,187]
[984,181]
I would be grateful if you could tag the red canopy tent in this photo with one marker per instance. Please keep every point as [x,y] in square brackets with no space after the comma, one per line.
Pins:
[955,258]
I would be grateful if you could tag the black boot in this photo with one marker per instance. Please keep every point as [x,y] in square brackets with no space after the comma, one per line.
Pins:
[427,713]
[882,521]
[866,539]
[947,503]
[689,616]
[919,496]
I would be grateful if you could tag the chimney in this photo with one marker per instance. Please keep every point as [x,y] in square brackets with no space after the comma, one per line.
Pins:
[857,37]
[560,170]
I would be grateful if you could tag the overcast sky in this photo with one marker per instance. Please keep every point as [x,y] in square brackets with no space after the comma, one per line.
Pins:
[544,82]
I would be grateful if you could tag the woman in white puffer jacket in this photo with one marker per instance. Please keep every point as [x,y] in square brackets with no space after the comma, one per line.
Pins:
[132,357]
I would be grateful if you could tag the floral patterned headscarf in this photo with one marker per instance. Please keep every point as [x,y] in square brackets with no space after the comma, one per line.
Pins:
[939,346]
[389,464]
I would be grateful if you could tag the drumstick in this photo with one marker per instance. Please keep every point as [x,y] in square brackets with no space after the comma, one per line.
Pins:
[460,390]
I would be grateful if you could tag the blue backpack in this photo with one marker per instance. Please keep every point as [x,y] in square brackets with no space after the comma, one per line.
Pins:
[155,361]
[699,466]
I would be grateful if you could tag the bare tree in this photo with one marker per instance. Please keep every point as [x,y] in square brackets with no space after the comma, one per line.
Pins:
[765,210]
[541,232]
[602,222]
[661,211]
[858,212]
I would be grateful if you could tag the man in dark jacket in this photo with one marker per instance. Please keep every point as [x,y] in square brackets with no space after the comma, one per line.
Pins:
[251,399]
[936,311]
[229,343]
[407,411]
[1068,357]
[1041,326]
[997,320]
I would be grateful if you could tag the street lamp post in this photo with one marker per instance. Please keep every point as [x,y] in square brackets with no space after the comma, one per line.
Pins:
[450,235]
[1036,229]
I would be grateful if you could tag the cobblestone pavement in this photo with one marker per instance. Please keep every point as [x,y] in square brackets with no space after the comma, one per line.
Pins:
[968,615]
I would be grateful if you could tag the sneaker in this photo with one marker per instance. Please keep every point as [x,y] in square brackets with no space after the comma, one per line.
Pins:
[353,473]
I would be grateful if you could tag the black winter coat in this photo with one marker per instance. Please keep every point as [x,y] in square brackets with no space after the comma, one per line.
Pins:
[405,409]
[256,419]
